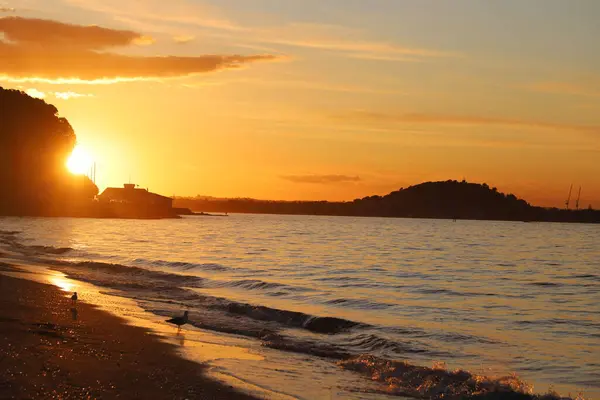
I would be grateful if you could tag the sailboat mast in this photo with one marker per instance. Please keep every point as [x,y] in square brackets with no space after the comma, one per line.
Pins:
[569,198]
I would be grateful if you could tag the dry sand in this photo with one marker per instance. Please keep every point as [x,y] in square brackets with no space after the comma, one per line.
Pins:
[45,353]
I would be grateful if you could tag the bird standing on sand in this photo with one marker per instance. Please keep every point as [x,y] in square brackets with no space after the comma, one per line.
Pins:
[179,321]
[74,298]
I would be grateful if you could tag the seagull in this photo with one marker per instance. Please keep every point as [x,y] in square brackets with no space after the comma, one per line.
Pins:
[74,298]
[179,321]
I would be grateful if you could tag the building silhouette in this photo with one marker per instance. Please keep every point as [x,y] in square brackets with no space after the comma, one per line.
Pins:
[132,200]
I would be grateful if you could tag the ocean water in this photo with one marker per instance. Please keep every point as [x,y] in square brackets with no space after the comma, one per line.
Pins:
[333,307]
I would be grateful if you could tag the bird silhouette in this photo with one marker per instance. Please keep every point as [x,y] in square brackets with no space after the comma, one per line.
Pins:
[179,321]
[74,298]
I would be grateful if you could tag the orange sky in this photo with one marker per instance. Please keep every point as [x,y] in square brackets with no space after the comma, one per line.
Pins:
[320,100]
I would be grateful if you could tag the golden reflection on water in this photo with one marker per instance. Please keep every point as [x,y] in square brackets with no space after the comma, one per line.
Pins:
[64,284]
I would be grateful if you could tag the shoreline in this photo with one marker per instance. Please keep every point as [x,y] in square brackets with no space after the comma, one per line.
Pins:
[55,349]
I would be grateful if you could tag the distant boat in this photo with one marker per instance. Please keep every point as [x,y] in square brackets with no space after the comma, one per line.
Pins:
[203,214]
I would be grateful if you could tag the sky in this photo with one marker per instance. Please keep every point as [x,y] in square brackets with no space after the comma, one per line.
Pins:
[319,99]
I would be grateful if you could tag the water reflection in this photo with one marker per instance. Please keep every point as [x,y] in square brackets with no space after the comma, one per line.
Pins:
[66,285]
[475,294]
[180,337]
[74,313]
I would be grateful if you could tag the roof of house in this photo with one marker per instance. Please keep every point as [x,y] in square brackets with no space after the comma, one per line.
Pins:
[131,194]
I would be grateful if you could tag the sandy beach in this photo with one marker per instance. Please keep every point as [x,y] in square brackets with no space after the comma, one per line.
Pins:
[54,349]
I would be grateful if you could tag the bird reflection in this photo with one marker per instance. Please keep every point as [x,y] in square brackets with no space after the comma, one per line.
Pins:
[180,337]
[74,313]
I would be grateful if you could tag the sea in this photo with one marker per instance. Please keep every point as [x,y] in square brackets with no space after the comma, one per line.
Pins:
[314,307]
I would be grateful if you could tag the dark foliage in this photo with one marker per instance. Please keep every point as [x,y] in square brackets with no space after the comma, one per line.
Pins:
[446,200]
[34,146]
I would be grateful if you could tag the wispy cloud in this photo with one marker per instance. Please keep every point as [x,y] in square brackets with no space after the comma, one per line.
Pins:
[321,179]
[197,17]
[44,50]
[70,95]
[33,92]
[460,120]
[344,40]
[183,39]
[6,9]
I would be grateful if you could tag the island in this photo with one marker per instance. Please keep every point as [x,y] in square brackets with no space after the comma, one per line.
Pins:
[449,199]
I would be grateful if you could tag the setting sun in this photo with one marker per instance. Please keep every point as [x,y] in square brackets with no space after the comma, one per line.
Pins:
[80,161]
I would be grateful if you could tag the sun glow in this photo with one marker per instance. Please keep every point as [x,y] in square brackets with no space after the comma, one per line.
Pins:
[80,161]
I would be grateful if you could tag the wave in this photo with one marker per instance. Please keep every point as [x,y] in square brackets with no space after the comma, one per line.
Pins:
[359,304]
[51,249]
[318,349]
[258,318]
[257,284]
[9,238]
[295,319]
[342,345]
[159,285]
[371,343]
[438,335]
[252,284]
[181,265]
[404,379]
[172,288]
[112,275]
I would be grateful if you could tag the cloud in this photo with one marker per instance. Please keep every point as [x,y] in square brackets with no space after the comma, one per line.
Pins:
[174,15]
[344,40]
[321,179]
[70,95]
[35,50]
[35,93]
[6,9]
[461,120]
[565,89]
[183,39]
[38,32]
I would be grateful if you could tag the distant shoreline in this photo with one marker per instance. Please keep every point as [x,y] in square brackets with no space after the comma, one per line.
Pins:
[401,217]
[429,200]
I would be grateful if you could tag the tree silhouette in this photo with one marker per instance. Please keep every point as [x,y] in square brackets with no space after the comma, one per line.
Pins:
[34,145]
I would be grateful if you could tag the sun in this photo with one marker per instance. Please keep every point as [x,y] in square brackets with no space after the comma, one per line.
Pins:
[79,161]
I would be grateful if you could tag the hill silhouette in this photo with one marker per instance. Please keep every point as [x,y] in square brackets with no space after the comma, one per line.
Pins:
[34,146]
[444,199]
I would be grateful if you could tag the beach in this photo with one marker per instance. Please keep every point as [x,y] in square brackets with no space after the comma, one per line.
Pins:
[54,349]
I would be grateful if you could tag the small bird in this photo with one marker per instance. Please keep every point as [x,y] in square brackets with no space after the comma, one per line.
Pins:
[179,321]
[74,298]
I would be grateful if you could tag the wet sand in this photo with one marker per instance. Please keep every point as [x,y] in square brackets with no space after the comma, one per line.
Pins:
[51,348]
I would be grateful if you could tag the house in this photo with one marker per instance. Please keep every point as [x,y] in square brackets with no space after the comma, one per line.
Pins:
[133,200]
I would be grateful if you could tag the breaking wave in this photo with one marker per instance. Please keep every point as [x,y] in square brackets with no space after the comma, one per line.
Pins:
[404,379]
